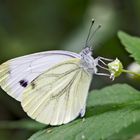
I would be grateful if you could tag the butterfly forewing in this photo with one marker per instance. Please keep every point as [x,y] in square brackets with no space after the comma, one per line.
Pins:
[59,94]
[16,74]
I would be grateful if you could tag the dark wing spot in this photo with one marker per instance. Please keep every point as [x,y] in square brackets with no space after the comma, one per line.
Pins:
[23,83]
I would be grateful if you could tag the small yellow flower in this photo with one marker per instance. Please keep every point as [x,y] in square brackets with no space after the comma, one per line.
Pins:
[115,68]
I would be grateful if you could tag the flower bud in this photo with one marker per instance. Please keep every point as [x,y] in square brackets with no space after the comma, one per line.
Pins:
[115,68]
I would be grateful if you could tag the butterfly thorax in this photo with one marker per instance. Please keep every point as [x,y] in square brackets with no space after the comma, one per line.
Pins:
[87,61]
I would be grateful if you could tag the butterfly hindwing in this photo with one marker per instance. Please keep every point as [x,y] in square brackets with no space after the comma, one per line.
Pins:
[16,74]
[59,94]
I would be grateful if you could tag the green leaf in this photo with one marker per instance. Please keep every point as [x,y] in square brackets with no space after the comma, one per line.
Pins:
[132,44]
[128,133]
[109,111]
[115,94]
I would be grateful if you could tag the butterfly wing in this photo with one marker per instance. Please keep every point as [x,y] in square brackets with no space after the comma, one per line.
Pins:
[59,94]
[17,73]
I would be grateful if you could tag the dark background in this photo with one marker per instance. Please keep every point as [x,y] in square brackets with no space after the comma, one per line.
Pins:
[29,26]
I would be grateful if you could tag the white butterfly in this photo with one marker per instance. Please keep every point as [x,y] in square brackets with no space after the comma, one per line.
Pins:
[52,86]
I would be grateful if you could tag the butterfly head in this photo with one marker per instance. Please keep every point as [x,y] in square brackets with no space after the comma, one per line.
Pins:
[90,64]
[87,51]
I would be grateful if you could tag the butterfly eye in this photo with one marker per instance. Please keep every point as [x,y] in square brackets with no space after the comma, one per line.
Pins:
[23,83]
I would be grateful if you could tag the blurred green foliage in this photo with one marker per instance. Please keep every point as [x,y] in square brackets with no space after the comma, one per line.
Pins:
[32,26]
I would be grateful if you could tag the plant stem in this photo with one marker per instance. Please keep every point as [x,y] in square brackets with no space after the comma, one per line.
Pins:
[131,72]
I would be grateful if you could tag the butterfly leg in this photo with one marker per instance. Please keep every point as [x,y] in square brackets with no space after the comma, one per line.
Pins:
[102,58]
[102,67]
[103,74]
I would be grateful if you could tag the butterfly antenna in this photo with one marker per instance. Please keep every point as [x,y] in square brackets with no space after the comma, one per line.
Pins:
[99,26]
[89,32]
